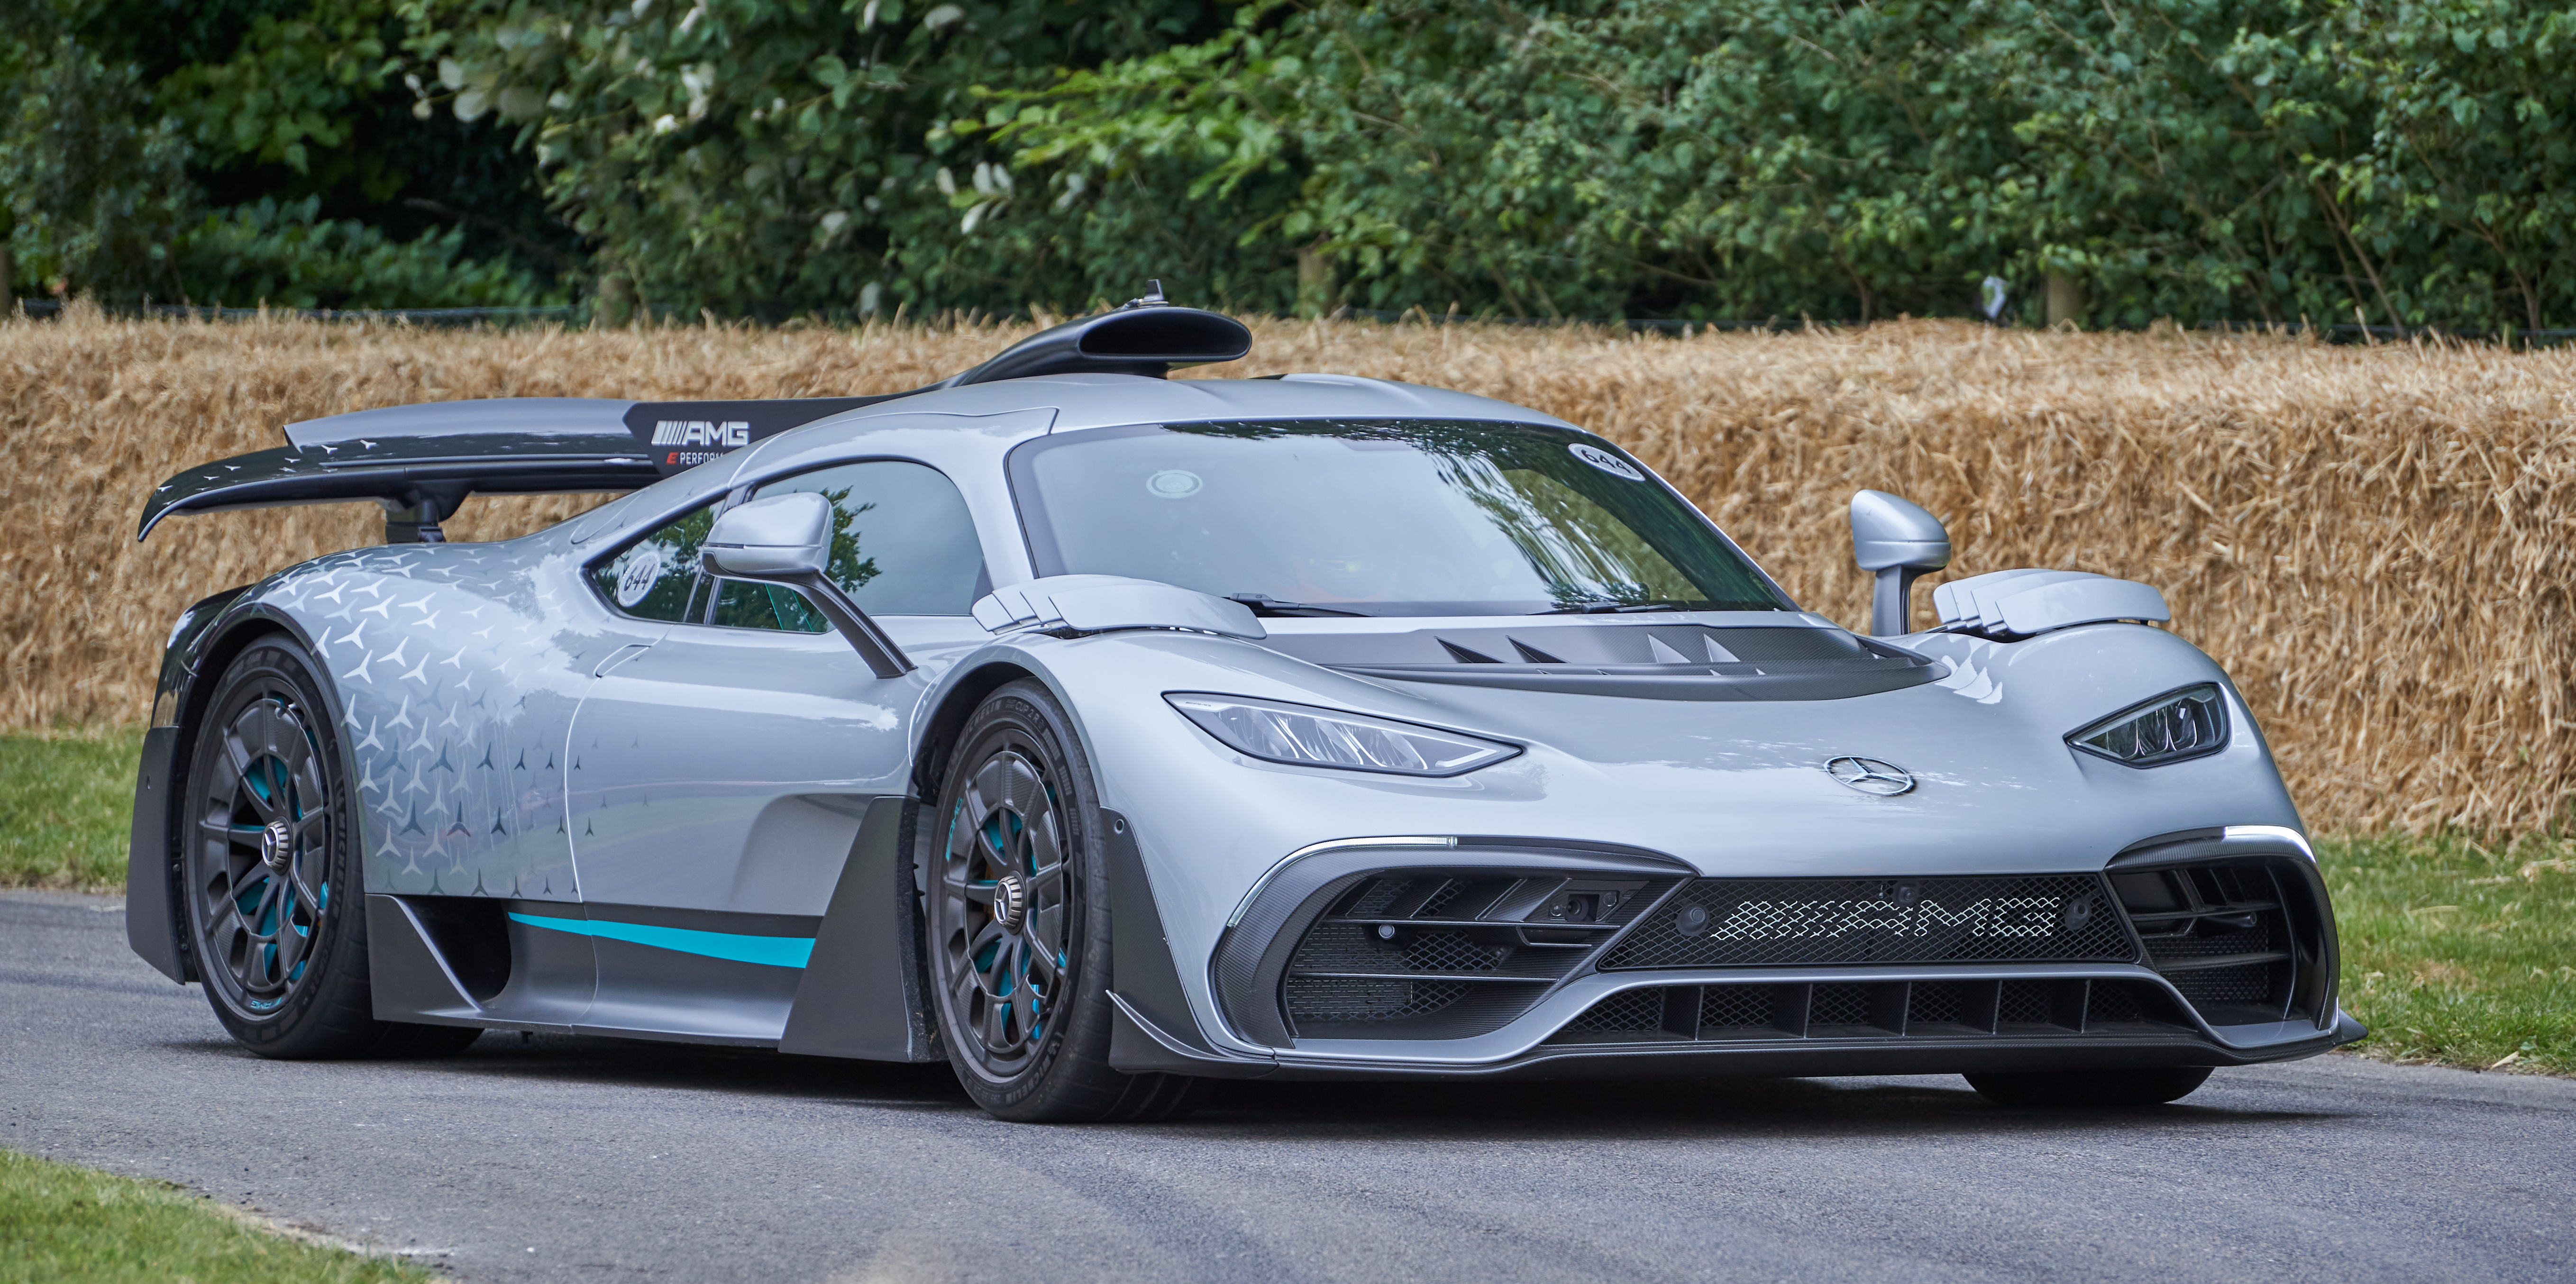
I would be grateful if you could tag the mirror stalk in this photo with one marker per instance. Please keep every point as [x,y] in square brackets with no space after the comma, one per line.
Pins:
[883,657]
[1891,601]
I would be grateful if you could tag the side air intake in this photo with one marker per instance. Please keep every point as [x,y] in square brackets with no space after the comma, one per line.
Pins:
[2244,939]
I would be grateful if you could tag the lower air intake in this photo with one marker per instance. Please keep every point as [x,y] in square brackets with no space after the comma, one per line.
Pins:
[2237,938]
[1438,954]
[1875,1010]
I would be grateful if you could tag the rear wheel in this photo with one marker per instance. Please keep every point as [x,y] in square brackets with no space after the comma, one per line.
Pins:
[275,908]
[1018,924]
[2152,1087]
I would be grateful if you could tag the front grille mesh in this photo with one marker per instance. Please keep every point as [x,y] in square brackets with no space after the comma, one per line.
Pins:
[1347,999]
[2221,932]
[1773,922]
[1724,1006]
[2248,986]
[1433,954]
[1878,1010]
[1839,1005]
[1629,1010]
[1936,1003]
[2026,1003]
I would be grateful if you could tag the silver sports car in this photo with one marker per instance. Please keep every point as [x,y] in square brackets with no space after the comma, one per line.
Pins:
[1102,735]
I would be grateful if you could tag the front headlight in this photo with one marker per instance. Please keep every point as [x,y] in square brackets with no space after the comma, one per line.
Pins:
[2174,726]
[1311,737]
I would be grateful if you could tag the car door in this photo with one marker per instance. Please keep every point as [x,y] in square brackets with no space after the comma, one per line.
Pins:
[725,766]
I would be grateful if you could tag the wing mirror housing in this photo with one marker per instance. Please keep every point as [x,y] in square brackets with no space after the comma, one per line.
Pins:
[787,539]
[1894,539]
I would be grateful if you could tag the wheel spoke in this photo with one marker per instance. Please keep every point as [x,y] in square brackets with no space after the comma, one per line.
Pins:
[991,787]
[1024,1005]
[995,1010]
[272,892]
[1028,789]
[291,944]
[223,936]
[1044,850]
[962,826]
[243,764]
[988,934]
[305,774]
[1046,926]
[305,895]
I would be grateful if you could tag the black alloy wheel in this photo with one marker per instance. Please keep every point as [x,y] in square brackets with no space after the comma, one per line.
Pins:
[2098,1088]
[1018,923]
[269,869]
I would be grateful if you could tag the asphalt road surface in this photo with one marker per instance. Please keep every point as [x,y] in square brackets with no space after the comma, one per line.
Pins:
[595,1159]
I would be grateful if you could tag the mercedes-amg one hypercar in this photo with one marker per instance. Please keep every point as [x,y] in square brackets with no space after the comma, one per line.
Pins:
[1103,734]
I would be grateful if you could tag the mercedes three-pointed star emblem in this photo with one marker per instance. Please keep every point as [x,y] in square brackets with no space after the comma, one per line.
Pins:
[1870,776]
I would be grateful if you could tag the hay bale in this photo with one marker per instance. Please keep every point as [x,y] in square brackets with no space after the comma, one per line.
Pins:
[2375,541]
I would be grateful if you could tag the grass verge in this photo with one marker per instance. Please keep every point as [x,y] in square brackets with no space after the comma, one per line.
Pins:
[58,1222]
[66,807]
[2454,951]
[2459,952]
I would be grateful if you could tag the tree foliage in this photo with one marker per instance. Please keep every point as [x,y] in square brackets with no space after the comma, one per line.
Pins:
[2199,159]
[2392,161]
[767,155]
[236,151]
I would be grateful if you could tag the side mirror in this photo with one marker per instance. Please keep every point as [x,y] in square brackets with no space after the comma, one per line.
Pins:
[1894,539]
[787,539]
[767,538]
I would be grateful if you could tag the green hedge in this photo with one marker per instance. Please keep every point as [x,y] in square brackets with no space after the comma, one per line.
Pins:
[2332,161]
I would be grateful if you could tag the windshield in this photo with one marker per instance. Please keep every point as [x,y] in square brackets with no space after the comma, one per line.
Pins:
[1380,517]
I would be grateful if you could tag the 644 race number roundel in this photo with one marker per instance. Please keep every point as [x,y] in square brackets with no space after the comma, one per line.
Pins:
[642,571]
[1606,462]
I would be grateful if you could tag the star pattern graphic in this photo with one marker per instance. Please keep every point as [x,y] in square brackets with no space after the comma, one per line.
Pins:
[455,734]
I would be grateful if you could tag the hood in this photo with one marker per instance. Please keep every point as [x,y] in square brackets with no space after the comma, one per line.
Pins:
[1731,786]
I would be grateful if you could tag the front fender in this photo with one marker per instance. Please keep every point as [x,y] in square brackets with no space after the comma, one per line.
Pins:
[204,636]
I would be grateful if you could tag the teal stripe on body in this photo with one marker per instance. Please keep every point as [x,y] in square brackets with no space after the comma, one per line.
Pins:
[769,951]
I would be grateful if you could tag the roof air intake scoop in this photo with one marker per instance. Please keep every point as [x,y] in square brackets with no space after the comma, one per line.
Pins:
[1146,337]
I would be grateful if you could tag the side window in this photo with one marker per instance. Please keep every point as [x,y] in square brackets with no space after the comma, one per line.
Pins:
[656,577]
[902,544]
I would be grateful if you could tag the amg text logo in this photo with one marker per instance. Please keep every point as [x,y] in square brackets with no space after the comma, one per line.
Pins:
[1829,920]
[701,432]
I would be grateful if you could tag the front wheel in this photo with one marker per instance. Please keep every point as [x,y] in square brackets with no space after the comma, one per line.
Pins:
[1018,924]
[268,858]
[2152,1087]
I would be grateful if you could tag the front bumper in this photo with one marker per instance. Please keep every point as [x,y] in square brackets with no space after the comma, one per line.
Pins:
[2081,1032]
[2224,948]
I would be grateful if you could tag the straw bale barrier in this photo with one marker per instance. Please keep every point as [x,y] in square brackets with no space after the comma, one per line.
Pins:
[2375,541]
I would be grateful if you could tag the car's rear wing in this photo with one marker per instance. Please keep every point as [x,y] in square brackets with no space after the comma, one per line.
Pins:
[421,461]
